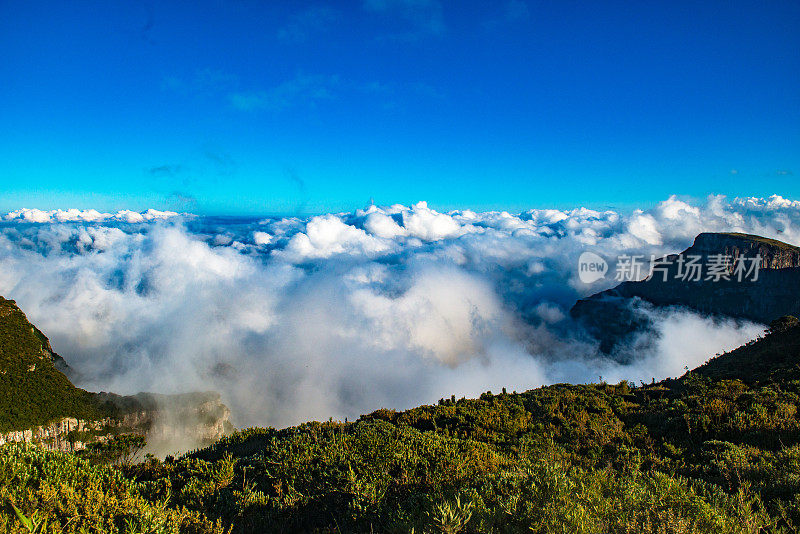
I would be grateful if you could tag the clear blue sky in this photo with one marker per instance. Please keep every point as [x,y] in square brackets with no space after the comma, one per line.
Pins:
[275,107]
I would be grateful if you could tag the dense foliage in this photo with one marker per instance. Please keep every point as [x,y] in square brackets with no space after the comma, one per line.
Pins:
[698,454]
[763,360]
[32,391]
[59,492]
[684,456]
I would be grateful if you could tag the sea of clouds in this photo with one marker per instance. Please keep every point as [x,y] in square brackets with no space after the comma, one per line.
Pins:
[339,314]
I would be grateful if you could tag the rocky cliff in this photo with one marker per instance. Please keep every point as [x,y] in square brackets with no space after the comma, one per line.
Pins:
[39,404]
[756,279]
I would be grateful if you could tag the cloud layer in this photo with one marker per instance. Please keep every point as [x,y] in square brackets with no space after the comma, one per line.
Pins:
[76,215]
[340,314]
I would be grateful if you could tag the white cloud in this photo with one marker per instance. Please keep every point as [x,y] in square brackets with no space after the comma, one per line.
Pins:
[90,215]
[382,225]
[644,226]
[336,315]
[262,238]
[424,223]
[327,235]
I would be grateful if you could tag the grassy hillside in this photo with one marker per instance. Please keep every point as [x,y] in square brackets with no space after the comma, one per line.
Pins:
[698,454]
[774,358]
[32,391]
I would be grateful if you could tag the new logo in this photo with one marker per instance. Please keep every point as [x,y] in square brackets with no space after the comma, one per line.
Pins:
[591,267]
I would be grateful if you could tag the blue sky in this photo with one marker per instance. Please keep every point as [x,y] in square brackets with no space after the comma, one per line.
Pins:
[257,107]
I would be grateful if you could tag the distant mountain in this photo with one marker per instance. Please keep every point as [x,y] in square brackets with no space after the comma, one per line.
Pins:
[724,274]
[38,403]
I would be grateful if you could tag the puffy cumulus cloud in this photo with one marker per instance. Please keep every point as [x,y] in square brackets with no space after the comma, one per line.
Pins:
[339,314]
[443,315]
[644,227]
[775,202]
[261,238]
[327,235]
[382,225]
[428,225]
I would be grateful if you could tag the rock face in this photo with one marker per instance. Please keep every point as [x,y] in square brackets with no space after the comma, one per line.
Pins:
[39,404]
[170,423]
[775,254]
[611,315]
[70,435]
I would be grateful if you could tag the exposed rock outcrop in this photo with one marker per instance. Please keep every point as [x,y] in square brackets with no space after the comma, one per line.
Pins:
[173,423]
[170,423]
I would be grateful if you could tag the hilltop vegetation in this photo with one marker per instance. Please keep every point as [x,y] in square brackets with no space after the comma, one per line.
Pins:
[698,454]
[59,492]
[773,358]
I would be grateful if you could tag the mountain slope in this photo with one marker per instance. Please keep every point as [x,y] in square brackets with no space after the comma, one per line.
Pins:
[773,358]
[38,403]
[32,390]
[696,454]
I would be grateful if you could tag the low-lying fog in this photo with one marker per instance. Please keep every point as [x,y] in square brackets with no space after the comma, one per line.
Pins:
[337,315]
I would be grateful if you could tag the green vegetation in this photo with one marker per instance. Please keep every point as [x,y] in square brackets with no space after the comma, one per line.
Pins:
[32,391]
[773,358]
[51,492]
[116,450]
[713,452]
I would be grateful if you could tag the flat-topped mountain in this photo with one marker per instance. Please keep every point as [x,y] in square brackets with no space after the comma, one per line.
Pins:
[724,274]
[774,254]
